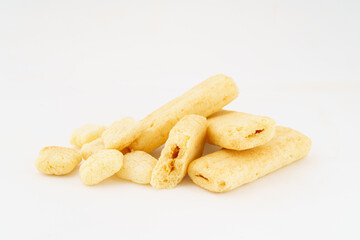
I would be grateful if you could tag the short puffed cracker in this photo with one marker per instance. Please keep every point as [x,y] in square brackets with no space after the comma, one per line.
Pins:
[185,143]
[55,160]
[121,134]
[137,167]
[239,131]
[90,148]
[85,134]
[100,166]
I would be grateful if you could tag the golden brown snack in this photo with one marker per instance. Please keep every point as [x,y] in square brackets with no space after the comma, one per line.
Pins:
[239,131]
[90,148]
[85,134]
[185,143]
[225,169]
[101,165]
[204,99]
[55,160]
[137,167]
[121,134]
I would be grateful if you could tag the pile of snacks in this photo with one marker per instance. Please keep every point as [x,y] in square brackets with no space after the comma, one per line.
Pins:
[253,146]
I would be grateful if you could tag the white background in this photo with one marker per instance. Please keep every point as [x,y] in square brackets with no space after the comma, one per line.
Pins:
[66,63]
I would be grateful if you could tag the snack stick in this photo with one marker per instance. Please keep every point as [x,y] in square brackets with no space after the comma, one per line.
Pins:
[85,134]
[55,160]
[121,134]
[101,165]
[204,99]
[185,143]
[239,131]
[90,148]
[225,169]
[137,167]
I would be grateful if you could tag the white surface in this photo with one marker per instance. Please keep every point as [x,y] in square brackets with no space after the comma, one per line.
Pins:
[72,62]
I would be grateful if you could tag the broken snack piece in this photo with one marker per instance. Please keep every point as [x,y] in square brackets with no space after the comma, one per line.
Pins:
[101,165]
[239,131]
[90,148]
[185,143]
[55,160]
[226,169]
[85,134]
[137,167]
[121,134]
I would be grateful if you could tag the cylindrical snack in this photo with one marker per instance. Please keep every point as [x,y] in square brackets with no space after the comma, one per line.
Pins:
[204,99]
[225,169]
[90,148]
[55,160]
[239,131]
[185,143]
[101,165]
[85,134]
[137,167]
[121,134]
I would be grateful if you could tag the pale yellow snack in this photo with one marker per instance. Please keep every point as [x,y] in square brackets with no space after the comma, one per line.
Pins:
[185,143]
[90,148]
[225,169]
[137,167]
[121,134]
[204,99]
[85,134]
[57,160]
[239,131]
[101,165]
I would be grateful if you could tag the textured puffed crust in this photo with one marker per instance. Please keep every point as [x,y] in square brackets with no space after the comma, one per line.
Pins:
[121,134]
[101,165]
[85,134]
[55,160]
[225,170]
[137,167]
[204,99]
[90,148]
[185,143]
[239,131]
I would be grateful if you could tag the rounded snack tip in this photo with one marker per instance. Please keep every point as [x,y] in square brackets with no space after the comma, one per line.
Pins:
[56,160]
[137,167]
[90,148]
[101,165]
[85,134]
[120,134]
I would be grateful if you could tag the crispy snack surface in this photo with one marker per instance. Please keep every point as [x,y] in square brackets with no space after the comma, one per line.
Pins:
[225,169]
[239,131]
[121,134]
[85,134]
[204,99]
[137,167]
[101,165]
[185,143]
[90,148]
[55,160]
